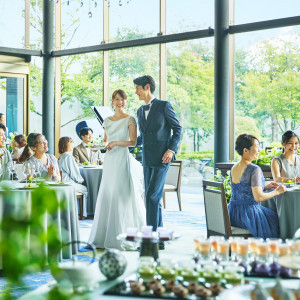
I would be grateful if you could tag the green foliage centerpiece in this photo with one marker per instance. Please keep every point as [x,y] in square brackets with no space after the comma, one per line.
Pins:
[26,244]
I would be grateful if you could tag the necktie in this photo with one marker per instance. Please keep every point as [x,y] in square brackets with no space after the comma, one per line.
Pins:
[146,107]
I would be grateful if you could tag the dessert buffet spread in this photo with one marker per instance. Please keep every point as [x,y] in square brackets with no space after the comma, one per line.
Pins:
[219,266]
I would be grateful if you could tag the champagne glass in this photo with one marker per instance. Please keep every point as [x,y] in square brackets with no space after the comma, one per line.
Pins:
[26,170]
[1,170]
[295,172]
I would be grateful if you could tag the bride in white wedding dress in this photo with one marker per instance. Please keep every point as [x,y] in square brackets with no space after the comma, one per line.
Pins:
[120,202]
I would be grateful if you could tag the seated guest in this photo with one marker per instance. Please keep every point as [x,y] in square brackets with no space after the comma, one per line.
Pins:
[46,163]
[6,160]
[18,146]
[3,121]
[286,166]
[84,152]
[69,168]
[248,185]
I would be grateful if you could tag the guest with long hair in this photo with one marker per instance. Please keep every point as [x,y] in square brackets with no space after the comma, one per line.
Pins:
[18,146]
[69,168]
[286,166]
[46,163]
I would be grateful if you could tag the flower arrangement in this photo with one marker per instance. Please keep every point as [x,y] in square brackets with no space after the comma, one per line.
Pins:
[11,140]
[97,142]
[226,181]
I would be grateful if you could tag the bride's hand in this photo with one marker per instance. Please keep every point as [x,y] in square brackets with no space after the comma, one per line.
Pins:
[110,146]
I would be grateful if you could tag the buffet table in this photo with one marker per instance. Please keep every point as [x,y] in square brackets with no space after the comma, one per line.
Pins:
[287,207]
[92,177]
[18,204]
[132,258]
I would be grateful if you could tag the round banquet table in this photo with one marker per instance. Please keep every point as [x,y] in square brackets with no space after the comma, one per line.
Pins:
[92,177]
[287,207]
[18,203]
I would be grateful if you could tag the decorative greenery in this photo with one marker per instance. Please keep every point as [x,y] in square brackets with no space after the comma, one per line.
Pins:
[226,181]
[265,157]
[25,226]
[196,155]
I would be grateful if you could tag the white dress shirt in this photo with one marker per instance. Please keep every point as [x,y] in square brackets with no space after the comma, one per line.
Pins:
[88,150]
[150,103]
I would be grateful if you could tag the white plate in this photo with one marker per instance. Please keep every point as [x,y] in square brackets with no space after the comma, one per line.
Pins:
[290,261]
[89,166]
[97,148]
[58,184]
[243,292]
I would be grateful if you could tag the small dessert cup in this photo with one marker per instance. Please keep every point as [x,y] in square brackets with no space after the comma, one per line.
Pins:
[146,268]
[223,250]
[242,250]
[262,251]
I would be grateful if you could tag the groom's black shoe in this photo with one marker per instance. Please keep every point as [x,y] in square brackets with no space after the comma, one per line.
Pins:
[161,246]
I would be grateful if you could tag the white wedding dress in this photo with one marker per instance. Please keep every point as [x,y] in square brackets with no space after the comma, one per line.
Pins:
[120,202]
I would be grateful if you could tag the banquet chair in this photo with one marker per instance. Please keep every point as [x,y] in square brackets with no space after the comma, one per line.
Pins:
[216,212]
[79,197]
[173,181]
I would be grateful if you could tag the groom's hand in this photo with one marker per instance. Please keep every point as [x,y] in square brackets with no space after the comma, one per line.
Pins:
[167,157]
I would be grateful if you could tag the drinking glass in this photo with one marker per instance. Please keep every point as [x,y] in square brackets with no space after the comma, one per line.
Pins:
[291,244]
[295,172]
[146,268]
[10,171]
[223,249]
[214,244]
[242,250]
[262,251]
[26,170]
[1,169]
[253,245]
[203,247]
[283,249]
[273,247]
[233,246]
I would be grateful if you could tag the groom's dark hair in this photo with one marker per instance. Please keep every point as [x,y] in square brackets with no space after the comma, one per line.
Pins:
[144,80]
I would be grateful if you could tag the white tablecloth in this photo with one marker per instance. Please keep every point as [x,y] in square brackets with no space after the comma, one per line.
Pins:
[18,203]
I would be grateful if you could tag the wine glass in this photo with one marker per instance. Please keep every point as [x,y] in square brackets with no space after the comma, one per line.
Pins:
[38,172]
[11,169]
[26,170]
[295,172]
[1,170]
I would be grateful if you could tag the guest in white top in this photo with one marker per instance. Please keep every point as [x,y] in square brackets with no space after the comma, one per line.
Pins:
[18,146]
[69,168]
[46,163]
[84,152]
[5,156]
[3,121]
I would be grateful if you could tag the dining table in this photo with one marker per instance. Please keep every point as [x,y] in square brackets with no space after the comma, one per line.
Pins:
[92,176]
[287,207]
[17,203]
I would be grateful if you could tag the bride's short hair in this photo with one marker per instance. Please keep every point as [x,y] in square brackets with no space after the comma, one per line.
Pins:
[120,92]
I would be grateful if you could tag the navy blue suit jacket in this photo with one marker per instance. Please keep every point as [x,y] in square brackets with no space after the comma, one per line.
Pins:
[160,132]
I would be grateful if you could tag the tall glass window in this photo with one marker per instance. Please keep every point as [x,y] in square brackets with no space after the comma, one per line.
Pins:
[36,24]
[133,20]
[267,81]
[35,95]
[189,15]
[257,10]
[81,88]
[12,24]
[127,64]
[190,89]
[82,25]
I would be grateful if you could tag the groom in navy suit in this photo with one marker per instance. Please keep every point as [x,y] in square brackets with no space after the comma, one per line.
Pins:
[160,134]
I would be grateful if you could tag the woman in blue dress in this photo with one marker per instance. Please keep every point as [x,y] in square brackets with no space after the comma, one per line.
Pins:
[248,186]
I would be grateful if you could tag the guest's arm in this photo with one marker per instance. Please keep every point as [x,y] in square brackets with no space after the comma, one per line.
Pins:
[257,188]
[73,169]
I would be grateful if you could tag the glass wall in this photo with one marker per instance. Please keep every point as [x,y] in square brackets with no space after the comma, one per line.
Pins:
[257,10]
[267,83]
[81,88]
[189,15]
[35,95]
[127,64]
[36,24]
[190,89]
[82,23]
[133,20]
[12,24]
